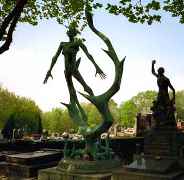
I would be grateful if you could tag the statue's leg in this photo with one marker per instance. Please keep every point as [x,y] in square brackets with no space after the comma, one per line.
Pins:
[72,92]
[73,95]
[78,76]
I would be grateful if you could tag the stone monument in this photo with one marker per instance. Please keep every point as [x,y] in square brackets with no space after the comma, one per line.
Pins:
[163,144]
[95,161]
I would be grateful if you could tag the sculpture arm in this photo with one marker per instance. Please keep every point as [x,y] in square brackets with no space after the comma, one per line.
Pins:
[90,57]
[173,90]
[54,59]
[153,68]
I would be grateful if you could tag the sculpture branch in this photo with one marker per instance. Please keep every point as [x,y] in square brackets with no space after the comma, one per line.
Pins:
[101,101]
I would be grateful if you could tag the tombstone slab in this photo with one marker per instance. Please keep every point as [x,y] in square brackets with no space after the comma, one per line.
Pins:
[27,164]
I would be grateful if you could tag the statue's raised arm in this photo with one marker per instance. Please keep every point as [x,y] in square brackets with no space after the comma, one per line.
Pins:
[153,68]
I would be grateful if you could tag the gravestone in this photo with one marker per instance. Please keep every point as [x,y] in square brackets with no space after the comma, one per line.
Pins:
[27,164]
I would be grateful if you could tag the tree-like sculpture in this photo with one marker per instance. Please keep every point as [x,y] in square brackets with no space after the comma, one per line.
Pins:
[78,115]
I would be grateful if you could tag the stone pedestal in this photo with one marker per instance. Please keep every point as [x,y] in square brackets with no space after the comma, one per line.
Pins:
[137,175]
[150,168]
[55,174]
[164,141]
[162,159]
[27,164]
[70,169]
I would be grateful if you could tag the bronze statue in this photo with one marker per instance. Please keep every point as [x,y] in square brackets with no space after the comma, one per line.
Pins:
[69,50]
[163,84]
[164,107]
[76,112]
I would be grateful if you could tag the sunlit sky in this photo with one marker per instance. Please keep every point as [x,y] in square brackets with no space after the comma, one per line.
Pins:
[23,67]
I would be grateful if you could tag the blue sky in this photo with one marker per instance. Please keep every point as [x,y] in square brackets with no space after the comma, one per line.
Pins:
[23,67]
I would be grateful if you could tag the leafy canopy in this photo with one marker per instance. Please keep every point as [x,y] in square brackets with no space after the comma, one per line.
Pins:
[67,11]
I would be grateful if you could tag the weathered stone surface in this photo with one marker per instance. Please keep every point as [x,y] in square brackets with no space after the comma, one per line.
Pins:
[35,157]
[162,159]
[164,141]
[137,175]
[54,174]
[88,167]
[151,165]
[27,164]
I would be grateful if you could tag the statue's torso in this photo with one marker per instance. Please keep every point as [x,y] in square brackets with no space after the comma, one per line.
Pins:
[163,83]
[163,95]
[70,49]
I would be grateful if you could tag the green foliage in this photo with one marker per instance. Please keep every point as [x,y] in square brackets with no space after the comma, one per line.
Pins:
[92,113]
[136,12]
[140,103]
[128,112]
[67,11]
[57,120]
[30,14]
[144,100]
[114,109]
[176,8]
[180,105]
[24,112]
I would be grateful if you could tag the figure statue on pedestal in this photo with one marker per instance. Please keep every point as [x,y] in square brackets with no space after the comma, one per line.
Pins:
[101,102]
[164,107]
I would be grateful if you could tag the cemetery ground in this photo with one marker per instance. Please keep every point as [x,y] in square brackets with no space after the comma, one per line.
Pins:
[21,160]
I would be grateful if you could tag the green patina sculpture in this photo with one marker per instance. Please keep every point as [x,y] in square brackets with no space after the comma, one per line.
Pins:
[78,115]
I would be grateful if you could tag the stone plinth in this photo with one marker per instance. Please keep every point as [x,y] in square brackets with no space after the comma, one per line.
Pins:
[164,141]
[88,167]
[28,164]
[148,168]
[162,159]
[70,169]
[123,174]
[55,174]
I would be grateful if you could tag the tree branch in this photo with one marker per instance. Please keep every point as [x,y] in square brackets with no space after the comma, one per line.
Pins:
[11,20]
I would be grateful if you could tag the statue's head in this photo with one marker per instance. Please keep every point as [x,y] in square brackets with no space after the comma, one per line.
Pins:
[72,31]
[161,70]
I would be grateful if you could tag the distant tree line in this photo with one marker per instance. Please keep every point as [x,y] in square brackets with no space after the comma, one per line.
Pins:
[142,102]
[125,114]
[19,112]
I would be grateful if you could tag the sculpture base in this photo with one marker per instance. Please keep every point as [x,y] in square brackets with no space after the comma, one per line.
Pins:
[80,170]
[87,167]
[162,160]
[164,141]
[149,168]
[54,173]
[128,175]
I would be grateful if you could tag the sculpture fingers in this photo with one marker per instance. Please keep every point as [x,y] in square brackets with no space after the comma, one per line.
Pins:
[51,76]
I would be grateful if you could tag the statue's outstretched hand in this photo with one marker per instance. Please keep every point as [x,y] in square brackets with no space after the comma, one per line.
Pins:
[47,76]
[100,72]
